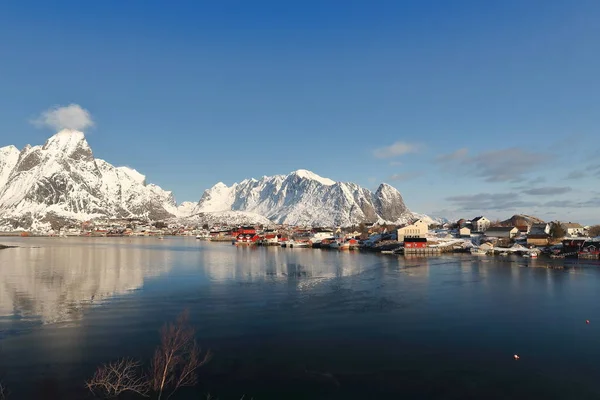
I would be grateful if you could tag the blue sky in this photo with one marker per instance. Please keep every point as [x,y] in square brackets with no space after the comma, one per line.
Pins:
[467,107]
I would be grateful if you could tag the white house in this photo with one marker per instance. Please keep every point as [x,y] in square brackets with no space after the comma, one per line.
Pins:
[464,232]
[480,224]
[573,229]
[417,229]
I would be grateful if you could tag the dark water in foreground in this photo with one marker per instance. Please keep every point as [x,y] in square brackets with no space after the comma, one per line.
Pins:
[301,323]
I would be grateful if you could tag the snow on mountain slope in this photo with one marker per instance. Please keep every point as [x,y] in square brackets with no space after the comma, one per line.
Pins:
[431,220]
[305,198]
[62,181]
[223,218]
[185,209]
[9,156]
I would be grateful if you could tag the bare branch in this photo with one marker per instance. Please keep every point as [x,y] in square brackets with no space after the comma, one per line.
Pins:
[177,359]
[117,377]
[3,392]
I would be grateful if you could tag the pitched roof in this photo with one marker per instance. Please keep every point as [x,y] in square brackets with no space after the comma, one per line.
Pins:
[572,225]
[500,229]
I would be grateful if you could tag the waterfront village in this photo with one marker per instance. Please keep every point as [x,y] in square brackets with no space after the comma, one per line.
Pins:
[478,236]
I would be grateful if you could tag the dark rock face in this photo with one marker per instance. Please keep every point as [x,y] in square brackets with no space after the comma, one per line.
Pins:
[28,160]
[389,203]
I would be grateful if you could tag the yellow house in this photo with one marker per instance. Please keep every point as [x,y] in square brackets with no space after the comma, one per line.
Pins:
[417,229]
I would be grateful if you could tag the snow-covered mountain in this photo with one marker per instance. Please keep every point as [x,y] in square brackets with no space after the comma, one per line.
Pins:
[221,218]
[431,220]
[61,181]
[305,198]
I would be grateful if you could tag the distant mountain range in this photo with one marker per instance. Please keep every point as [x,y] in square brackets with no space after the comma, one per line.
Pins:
[62,182]
[305,198]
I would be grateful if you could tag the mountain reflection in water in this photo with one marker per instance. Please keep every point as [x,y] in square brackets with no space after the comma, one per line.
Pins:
[301,323]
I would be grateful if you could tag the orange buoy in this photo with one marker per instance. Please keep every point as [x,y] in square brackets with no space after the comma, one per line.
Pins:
[516,357]
[587,321]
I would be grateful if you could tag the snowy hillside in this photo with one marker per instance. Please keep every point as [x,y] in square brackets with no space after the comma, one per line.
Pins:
[305,198]
[185,209]
[222,218]
[60,182]
[431,220]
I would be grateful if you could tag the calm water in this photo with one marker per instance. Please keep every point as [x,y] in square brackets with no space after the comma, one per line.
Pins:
[300,323]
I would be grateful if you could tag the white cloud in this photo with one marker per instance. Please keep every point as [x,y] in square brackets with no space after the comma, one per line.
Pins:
[396,149]
[72,116]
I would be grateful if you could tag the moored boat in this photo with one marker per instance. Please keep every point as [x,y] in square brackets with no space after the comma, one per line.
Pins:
[298,244]
[478,252]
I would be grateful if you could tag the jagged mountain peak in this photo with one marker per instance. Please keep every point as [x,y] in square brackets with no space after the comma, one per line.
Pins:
[65,139]
[305,198]
[69,143]
[8,150]
[133,174]
[306,174]
[62,180]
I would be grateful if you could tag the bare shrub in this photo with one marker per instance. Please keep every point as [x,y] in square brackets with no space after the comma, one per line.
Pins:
[177,358]
[115,378]
[3,389]
[174,365]
[3,392]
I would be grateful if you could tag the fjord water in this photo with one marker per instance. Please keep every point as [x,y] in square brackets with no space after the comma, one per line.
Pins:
[300,323]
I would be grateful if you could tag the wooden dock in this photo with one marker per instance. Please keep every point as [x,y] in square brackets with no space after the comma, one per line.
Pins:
[423,251]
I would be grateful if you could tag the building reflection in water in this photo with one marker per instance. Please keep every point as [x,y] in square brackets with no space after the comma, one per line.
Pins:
[256,264]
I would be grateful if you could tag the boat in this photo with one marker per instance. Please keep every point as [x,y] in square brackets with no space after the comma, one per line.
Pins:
[533,254]
[344,246]
[339,245]
[295,244]
[478,252]
[504,254]
[161,237]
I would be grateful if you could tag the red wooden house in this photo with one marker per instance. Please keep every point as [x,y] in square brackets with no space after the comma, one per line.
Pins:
[415,243]
[246,235]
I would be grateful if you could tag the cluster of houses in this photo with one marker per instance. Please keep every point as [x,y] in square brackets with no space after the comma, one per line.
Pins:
[480,230]
[535,234]
[416,236]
